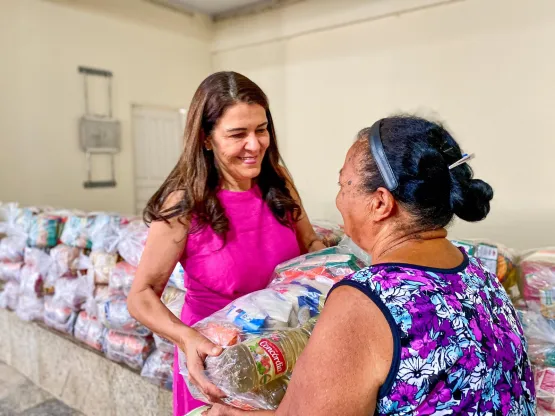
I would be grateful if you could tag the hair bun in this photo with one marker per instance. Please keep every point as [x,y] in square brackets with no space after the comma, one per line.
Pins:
[471,200]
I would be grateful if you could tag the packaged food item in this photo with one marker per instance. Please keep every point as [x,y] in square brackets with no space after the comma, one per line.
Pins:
[114,315]
[330,233]
[102,264]
[538,278]
[58,316]
[64,260]
[545,388]
[76,229]
[104,232]
[30,307]
[44,230]
[9,295]
[264,332]
[177,278]
[173,299]
[122,277]
[10,271]
[158,369]
[90,331]
[132,241]
[131,350]
[12,248]
[498,259]
[71,292]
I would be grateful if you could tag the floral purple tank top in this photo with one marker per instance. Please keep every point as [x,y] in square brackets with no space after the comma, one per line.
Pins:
[459,348]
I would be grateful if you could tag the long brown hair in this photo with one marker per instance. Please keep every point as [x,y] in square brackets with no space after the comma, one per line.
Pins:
[196,175]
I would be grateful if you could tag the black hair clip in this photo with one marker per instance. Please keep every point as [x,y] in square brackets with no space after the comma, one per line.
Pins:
[378,152]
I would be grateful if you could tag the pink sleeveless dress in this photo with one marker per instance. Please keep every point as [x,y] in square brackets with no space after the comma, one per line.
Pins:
[217,274]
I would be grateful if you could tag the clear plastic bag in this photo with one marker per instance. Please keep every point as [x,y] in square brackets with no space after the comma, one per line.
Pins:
[12,248]
[102,264]
[97,294]
[114,315]
[9,295]
[538,279]
[264,332]
[128,349]
[132,241]
[329,232]
[540,334]
[90,331]
[158,369]
[177,278]
[44,230]
[498,259]
[71,292]
[76,231]
[10,271]
[30,307]
[58,316]
[173,299]
[104,232]
[544,378]
[122,277]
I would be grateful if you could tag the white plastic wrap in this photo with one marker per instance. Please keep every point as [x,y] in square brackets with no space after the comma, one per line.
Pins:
[102,264]
[71,292]
[44,230]
[538,280]
[128,349]
[158,369]
[97,294]
[30,307]
[58,316]
[132,241]
[90,331]
[10,271]
[329,232]
[9,295]
[63,262]
[177,278]
[76,230]
[173,299]
[114,315]
[264,332]
[122,276]
[104,232]
[12,248]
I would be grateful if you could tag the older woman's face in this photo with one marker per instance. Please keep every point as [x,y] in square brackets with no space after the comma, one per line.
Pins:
[351,200]
[239,141]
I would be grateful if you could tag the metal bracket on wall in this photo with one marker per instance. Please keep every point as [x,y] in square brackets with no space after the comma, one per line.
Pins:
[89,183]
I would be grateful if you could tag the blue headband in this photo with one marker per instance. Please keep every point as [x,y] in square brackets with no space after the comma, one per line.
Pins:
[378,153]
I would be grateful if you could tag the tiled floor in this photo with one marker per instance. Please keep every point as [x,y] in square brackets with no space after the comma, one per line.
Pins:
[20,397]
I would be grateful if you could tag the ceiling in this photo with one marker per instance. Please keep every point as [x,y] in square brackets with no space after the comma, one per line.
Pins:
[216,8]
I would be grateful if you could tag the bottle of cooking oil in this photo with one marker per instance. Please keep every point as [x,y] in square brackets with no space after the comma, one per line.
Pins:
[256,362]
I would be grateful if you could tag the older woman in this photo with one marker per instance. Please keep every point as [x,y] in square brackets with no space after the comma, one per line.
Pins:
[425,330]
[228,212]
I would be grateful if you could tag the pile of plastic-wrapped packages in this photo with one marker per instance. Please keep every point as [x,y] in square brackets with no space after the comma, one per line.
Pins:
[73,271]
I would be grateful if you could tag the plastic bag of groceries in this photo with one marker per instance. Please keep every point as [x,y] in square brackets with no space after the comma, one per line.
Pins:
[76,231]
[58,315]
[9,295]
[102,264]
[64,260]
[104,232]
[122,277]
[498,259]
[330,233]
[90,331]
[131,242]
[131,350]
[10,271]
[44,230]
[30,307]
[544,378]
[540,335]
[177,278]
[173,299]
[71,292]
[158,369]
[114,315]
[97,295]
[12,248]
[264,332]
[538,280]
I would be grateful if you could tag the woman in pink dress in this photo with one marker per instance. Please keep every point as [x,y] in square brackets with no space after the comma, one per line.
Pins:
[228,212]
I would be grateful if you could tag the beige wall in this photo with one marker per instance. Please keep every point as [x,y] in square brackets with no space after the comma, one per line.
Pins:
[484,67]
[157,57]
